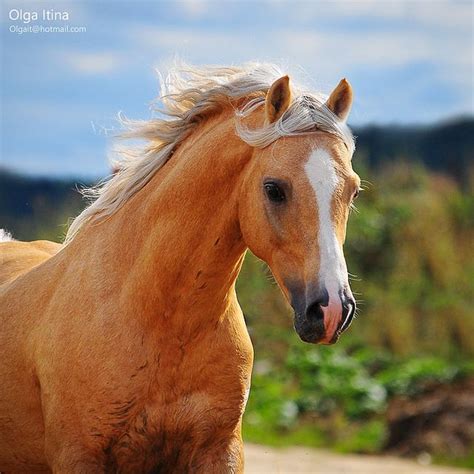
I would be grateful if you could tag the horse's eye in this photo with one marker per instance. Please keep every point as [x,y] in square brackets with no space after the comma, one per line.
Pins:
[356,194]
[274,192]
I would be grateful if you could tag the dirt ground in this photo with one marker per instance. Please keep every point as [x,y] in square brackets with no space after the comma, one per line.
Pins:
[263,460]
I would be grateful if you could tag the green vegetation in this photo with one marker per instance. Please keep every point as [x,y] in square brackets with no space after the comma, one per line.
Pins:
[337,396]
[410,245]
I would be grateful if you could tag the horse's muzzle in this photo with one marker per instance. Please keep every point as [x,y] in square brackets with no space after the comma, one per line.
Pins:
[324,319]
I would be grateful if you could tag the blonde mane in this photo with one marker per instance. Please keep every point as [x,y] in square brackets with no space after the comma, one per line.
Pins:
[188,94]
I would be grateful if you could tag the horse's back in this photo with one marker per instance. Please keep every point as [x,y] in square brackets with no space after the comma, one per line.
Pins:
[17,258]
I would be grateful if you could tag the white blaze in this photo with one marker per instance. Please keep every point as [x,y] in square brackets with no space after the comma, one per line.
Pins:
[324,180]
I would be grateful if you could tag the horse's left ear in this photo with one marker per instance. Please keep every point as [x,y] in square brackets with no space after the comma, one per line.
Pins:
[340,100]
[278,99]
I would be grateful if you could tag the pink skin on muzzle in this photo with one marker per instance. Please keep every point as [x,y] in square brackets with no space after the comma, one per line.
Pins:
[332,320]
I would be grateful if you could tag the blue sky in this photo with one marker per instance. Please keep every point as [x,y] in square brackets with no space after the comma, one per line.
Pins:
[408,61]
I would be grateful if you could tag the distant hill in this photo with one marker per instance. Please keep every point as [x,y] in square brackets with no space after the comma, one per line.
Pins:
[37,206]
[446,147]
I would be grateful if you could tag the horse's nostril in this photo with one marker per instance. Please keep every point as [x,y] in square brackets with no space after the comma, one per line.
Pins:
[314,311]
[348,310]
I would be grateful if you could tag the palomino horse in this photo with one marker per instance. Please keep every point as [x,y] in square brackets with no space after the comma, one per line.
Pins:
[125,349]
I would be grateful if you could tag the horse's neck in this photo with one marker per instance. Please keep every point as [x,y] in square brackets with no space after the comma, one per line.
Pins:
[177,242]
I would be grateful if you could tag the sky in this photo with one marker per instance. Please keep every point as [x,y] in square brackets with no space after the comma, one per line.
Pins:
[409,62]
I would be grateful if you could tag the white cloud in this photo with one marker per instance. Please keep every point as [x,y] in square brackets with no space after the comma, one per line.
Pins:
[445,14]
[328,55]
[329,52]
[93,63]
[41,111]
[193,8]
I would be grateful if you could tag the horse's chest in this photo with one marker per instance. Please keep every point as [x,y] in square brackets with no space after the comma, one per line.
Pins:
[193,407]
[168,438]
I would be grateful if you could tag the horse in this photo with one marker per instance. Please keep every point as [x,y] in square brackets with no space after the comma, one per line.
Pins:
[124,349]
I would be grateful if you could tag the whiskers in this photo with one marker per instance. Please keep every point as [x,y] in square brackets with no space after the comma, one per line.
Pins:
[353,277]
[364,186]
[268,274]
[353,208]
[356,312]
[359,302]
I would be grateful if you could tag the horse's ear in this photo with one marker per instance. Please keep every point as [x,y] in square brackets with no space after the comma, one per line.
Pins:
[340,100]
[278,99]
